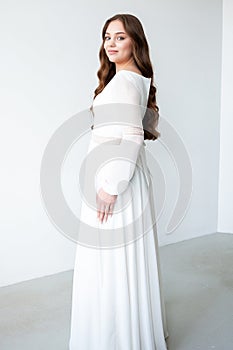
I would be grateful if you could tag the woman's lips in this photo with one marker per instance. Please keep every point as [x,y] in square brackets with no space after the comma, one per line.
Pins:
[111,52]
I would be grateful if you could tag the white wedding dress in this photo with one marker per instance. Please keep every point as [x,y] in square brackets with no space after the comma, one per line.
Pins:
[117,298]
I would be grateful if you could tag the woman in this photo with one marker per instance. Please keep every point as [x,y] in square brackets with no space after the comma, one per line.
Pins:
[117,300]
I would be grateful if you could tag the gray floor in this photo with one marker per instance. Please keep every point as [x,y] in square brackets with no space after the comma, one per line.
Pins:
[198,287]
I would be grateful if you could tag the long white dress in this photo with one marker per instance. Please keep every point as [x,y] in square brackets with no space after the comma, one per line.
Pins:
[117,298]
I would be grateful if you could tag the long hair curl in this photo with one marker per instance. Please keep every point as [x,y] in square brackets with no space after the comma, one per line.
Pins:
[107,70]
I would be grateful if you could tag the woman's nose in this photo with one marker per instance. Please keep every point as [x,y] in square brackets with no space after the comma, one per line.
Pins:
[112,42]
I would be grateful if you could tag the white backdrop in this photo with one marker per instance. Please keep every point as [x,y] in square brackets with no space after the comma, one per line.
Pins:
[49,59]
[225,223]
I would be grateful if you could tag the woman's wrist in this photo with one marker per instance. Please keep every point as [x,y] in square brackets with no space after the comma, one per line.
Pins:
[107,197]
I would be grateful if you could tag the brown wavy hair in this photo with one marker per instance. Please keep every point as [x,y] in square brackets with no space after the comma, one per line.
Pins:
[107,70]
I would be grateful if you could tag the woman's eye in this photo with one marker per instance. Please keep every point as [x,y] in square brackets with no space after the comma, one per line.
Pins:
[119,38]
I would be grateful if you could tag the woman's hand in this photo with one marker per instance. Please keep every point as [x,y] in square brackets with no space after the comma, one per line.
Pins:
[105,204]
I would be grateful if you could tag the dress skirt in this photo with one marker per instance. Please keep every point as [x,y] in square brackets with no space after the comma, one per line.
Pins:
[117,297]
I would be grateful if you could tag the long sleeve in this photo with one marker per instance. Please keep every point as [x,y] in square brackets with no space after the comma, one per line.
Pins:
[119,134]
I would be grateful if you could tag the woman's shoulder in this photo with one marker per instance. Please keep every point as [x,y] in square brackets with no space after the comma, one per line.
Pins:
[133,73]
[125,87]
[129,75]
[129,79]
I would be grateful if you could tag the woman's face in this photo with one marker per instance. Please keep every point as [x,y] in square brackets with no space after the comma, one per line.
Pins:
[117,43]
